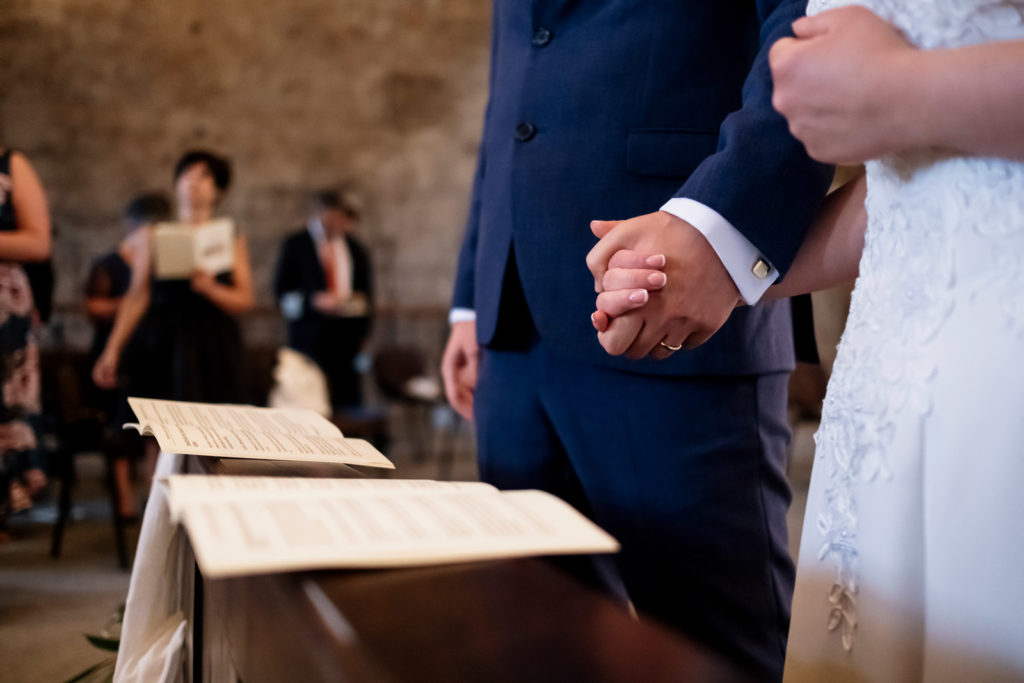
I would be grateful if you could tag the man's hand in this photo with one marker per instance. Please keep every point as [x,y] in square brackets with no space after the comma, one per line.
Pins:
[696,295]
[327,302]
[459,366]
[838,85]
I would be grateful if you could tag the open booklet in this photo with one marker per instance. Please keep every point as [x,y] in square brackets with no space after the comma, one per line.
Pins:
[237,431]
[247,525]
[179,249]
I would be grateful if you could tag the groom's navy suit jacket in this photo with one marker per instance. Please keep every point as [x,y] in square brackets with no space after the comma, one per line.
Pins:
[605,109]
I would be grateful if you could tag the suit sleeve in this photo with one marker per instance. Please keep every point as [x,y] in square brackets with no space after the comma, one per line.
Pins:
[288,287]
[760,178]
[284,273]
[362,282]
[466,270]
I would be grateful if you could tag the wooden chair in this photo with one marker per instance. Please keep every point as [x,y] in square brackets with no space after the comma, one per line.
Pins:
[401,376]
[76,426]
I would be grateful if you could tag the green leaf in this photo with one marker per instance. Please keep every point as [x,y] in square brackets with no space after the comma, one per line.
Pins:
[104,643]
[98,673]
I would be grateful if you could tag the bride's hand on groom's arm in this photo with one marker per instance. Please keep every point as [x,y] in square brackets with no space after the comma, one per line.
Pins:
[841,83]
[642,313]
[852,89]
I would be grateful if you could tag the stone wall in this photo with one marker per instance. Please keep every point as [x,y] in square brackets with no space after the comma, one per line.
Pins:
[383,96]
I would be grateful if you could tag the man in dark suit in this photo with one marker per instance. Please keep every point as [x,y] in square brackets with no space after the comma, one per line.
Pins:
[324,285]
[614,109]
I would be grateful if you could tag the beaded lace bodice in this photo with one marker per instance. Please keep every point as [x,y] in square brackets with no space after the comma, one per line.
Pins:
[943,231]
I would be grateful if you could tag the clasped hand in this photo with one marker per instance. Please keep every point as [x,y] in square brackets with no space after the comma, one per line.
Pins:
[660,286]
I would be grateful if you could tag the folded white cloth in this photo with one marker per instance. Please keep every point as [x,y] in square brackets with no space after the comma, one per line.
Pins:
[299,383]
[152,648]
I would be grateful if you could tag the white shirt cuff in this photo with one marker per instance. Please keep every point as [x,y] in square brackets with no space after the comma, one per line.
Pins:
[292,304]
[749,269]
[461,315]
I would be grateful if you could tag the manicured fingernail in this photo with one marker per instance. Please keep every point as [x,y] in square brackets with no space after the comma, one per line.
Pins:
[593,318]
[656,261]
[639,296]
[657,279]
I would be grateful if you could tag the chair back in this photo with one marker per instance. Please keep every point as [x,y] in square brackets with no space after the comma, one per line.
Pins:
[393,367]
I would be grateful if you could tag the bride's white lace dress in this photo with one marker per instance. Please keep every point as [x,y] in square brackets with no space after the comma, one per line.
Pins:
[912,556]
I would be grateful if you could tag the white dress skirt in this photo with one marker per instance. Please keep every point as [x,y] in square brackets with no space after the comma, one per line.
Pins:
[911,564]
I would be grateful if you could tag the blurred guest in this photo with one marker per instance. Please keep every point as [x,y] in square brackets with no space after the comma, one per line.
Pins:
[187,341]
[324,284]
[107,283]
[24,237]
[110,274]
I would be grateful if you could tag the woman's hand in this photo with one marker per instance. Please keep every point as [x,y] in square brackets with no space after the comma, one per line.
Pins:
[203,282]
[236,297]
[104,373]
[842,85]
[627,284]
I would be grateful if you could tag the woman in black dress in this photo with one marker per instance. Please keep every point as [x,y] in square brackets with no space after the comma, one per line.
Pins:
[109,279]
[186,344]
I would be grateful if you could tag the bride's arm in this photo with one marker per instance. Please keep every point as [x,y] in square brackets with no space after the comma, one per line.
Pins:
[971,99]
[853,89]
[830,254]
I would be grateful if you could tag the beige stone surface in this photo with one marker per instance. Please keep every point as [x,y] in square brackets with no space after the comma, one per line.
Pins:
[383,96]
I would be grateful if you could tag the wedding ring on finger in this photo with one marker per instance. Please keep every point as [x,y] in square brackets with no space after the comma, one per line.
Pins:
[670,347]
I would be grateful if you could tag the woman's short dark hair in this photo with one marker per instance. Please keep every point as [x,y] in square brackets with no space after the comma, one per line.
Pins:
[219,167]
[152,207]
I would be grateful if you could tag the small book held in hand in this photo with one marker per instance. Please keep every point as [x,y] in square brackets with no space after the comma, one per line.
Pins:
[180,249]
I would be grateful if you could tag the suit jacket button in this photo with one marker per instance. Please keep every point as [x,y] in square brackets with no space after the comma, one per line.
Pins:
[541,37]
[525,131]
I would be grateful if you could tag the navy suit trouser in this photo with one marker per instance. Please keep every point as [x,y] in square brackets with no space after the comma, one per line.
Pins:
[686,472]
